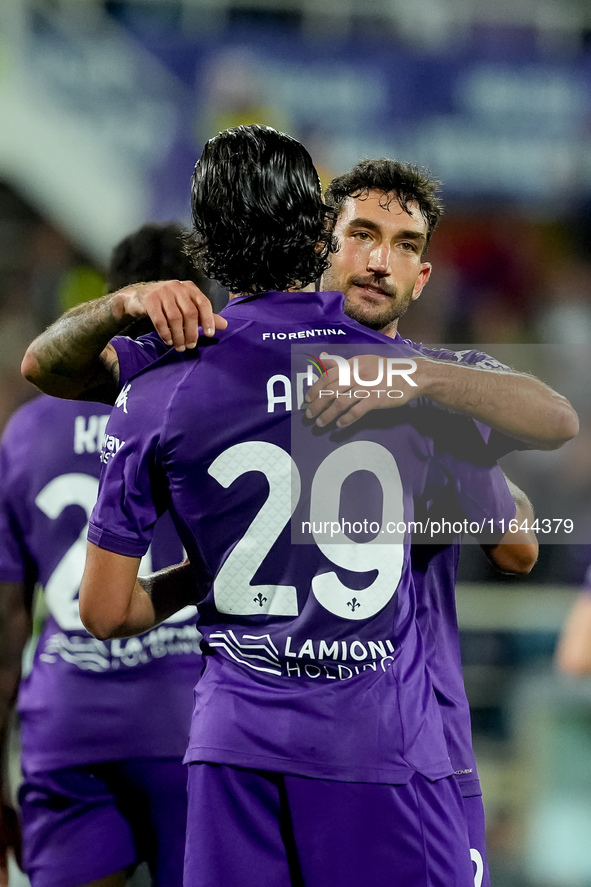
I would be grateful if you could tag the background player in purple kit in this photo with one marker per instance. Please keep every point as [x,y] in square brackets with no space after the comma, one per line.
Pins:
[361,738]
[393,179]
[104,725]
[573,651]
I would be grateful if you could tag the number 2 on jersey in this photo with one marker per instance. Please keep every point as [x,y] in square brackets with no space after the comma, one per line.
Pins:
[61,590]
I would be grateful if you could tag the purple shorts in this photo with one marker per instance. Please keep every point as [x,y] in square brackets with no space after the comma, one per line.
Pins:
[84,823]
[476,830]
[269,828]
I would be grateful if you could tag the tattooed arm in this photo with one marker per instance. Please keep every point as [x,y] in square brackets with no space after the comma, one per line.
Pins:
[73,359]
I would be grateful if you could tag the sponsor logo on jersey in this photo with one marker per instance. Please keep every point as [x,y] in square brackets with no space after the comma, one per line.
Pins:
[89,654]
[333,660]
[111,446]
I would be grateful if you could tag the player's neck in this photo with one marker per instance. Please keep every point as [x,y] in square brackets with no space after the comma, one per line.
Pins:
[310,288]
[390,330]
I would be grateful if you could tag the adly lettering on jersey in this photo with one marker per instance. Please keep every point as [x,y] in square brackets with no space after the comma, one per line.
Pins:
[280,391]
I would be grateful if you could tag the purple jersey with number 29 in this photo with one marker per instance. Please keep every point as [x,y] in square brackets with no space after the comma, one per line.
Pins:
[434,572]
[315,663]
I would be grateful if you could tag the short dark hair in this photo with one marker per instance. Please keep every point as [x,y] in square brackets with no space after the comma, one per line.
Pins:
[156,252]
[153,252]
[396,180]
[259,221]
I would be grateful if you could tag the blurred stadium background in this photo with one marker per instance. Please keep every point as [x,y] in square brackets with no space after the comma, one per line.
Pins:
[104,105]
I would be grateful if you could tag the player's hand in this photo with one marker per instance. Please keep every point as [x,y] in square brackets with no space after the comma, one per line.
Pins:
[10,839]
[177,308]
[327,401]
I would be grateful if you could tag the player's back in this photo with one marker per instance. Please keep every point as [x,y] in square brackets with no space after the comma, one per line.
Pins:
[82,698]
[434,566]
[295,633]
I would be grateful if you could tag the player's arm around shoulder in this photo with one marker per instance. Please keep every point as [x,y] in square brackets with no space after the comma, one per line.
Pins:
[517,404]
[517,551]
[73,359]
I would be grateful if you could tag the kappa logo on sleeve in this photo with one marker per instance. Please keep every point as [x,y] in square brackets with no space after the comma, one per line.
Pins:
[122,397]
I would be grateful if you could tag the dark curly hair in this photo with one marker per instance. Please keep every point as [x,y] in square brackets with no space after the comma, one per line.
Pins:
[157,252]
[259,221]
[396,180]
[153,252]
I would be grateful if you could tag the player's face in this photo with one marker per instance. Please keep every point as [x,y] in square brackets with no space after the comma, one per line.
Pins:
[378,266]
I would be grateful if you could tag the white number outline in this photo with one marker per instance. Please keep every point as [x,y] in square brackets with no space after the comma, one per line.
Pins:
[364,557]
[61,589]
[476,858]
[250,551]
[233,584]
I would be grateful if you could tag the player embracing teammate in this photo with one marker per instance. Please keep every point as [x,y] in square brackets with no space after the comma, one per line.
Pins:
[367,756]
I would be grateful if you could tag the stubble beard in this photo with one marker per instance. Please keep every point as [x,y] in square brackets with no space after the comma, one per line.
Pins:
[366,313]
[369,316]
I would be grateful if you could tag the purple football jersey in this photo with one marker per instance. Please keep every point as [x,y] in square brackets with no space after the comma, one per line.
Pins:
[434,569]
[315,662]
[135,354]
[85,700]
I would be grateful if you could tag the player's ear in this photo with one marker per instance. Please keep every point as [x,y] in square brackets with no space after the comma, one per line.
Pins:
[423,277]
